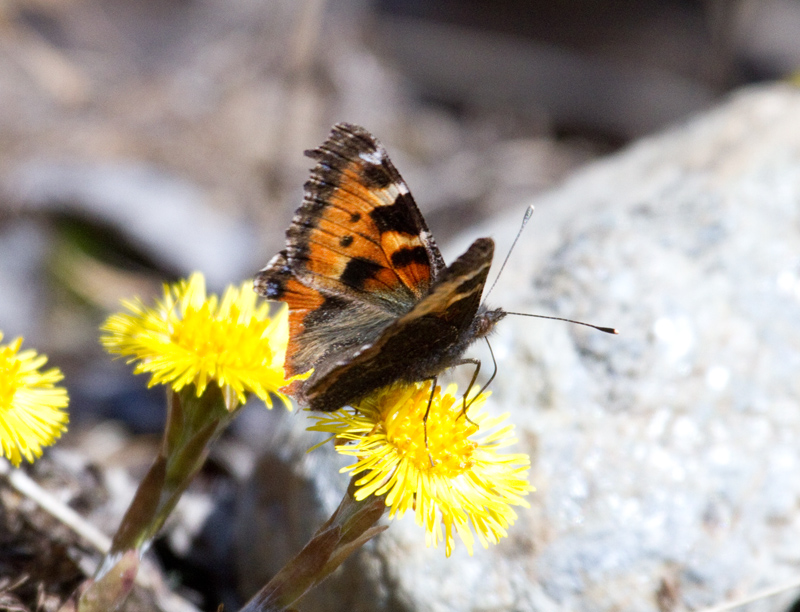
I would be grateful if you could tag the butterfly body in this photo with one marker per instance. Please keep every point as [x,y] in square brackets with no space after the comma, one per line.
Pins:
[371,301]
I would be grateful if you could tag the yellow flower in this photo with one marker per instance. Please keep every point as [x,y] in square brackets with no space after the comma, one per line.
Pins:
[191,338]
[466,479]
[32,408]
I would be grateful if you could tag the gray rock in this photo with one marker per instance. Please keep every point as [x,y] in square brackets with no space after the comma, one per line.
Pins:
[667,455]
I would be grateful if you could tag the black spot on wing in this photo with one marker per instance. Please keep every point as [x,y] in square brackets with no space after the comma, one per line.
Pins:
[358,271]
[345,241]
[375,177]
[271,282]
[355,217]
[397,217]
[410,255]
[274,289]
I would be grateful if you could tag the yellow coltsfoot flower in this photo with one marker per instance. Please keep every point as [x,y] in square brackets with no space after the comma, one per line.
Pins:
[32,408]
[191,338]
[459,478]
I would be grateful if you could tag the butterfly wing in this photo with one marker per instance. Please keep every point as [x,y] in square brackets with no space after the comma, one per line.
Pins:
[431,337]
[358,253]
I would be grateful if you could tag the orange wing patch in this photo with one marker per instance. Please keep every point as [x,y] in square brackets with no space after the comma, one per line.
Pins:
[363,237]
[409,259]
[350,228]
[356,187]
[302,301]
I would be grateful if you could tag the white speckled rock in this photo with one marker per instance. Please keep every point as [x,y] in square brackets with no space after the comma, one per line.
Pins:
[668,454]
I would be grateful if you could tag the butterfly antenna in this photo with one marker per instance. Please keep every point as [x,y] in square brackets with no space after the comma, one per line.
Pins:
[607,330]
[525,220]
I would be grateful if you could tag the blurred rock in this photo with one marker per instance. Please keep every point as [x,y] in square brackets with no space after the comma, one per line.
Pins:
[599,94]
[668,454]
[167,217]
[765,35]
[290,494]
[22,254]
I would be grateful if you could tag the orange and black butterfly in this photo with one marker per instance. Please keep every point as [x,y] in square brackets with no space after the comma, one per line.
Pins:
[371,301]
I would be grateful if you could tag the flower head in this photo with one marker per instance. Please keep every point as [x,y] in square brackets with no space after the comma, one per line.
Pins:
[32,408]
[467,480]
[191,338]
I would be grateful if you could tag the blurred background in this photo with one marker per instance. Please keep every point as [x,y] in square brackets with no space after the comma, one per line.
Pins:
[143,140]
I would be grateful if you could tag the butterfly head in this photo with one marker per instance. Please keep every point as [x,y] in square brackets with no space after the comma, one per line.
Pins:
[485,321]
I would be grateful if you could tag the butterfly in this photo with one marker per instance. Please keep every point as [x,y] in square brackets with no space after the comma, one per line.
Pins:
[371,301]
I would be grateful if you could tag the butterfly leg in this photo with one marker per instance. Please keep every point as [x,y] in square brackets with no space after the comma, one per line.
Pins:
[433,380]
[474,377]
[465,406]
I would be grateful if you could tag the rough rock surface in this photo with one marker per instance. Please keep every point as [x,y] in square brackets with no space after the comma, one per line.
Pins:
[665,459]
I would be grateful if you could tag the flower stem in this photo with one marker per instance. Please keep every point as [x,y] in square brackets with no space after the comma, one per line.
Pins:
[351,526]
[193,423]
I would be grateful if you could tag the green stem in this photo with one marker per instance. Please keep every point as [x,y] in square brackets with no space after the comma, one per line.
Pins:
[351,526]
[193,423]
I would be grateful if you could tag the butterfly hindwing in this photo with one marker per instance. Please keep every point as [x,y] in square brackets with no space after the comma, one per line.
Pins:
[319,323]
